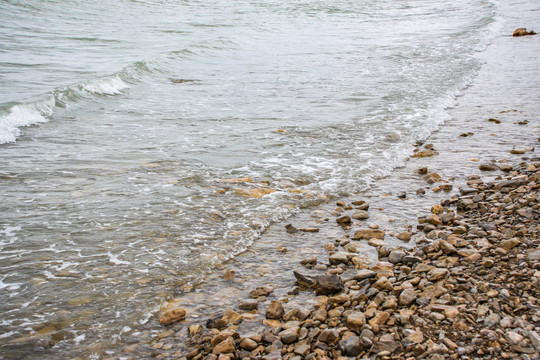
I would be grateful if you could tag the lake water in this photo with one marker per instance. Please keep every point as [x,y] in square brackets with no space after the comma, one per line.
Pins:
[134,134]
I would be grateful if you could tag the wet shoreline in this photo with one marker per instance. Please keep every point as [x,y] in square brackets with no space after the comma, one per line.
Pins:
[395,204]
[271,263]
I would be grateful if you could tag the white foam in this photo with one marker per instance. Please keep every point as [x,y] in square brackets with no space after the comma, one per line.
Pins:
[79,339]
[115,261]
[105,86]
[9,230]
[6,335]
[23,115]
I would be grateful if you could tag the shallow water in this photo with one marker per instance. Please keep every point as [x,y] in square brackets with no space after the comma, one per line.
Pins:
[117,199]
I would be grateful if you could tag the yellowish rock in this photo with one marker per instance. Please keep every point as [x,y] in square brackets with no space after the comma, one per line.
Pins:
[244,179]
[172,316]
[437,209]
[256,193]
[380,319]
[425,153]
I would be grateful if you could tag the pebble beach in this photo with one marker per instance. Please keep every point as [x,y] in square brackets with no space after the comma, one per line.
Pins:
[438,261]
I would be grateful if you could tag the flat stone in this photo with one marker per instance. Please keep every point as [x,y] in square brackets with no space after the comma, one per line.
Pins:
[344,220]
[262,291]
[514,337]
[451,312]
[424,267]
[338,258]
[365,274]
[424,153]
[367,234]
[302,350]
[376,242]
[404,236]
[360,215]
[488,167]
[309,261]
[509,244]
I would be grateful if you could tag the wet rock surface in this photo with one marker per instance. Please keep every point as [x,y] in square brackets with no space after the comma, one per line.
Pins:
[470,288]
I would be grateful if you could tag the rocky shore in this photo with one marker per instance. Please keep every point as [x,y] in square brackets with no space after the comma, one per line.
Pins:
[469,289]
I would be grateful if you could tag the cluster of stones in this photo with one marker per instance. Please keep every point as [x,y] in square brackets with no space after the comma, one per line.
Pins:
[471,291]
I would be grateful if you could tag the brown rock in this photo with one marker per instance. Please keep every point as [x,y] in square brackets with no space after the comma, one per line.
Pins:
[509,244]
[255,192]
[356,320]
[488,167]
[433,220]
[262,291]
[309,261]
[275,310]
[310,230]
[360,215]
[302,350]
[379,319]
[432,178]
[338,258]
[290,335]
[383,284]
[404,236]
[437,209]
[367,234]
[320,315]
[344,220]
[227,346]
[329,336]
[407,297]
[425,153]
[522,32]
[416,337]
[230,316]
[229,275]
[328,284]
[248,304]
[437,274]
[171,316]
[248,344]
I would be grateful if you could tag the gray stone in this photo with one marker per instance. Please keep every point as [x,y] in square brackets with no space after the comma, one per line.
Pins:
[338,258]
[290,335]
[328,284]
[407,297]
[396,256]
[329,336]
[351,346]
[360,215]
[365,274]
[248,304]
